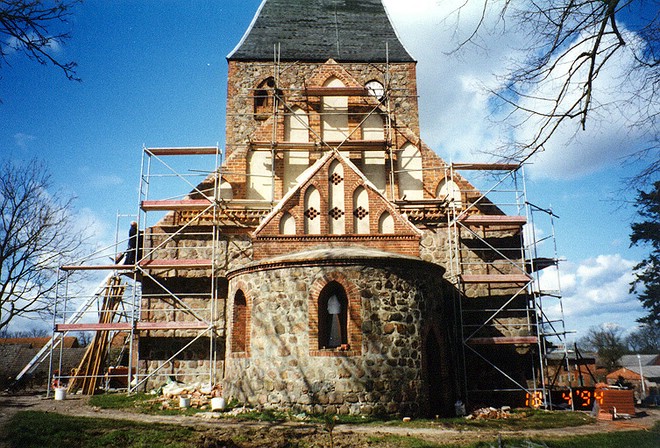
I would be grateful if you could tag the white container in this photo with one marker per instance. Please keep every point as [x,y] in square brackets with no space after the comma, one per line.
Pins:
[217,404]
[60,393]
[184,402]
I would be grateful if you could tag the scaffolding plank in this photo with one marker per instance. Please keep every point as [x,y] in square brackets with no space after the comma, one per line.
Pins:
[336,91]
[486,166]
[126,326]
[503,340]
[183,151]
[198,325]
[112,326]
[97,267]
[494,220]
[183,204]
[541,263]
[495,278]
[199,263]
[348,145]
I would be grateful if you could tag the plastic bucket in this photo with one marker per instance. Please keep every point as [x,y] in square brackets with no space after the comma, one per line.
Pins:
[184,402]
[60,393]
[217,404]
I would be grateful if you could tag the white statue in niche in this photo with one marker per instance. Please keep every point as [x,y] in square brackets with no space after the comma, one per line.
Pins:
[334,309]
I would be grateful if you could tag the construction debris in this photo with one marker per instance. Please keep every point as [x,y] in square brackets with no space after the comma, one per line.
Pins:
[490,414]
[200,395]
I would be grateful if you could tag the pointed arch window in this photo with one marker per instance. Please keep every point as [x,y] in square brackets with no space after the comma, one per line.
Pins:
[263,99]
[332,317]
[410,172]
[336,206]
[287,225]
[296,129]
[239,333]
[449,191]
[386,224]
[312,211]
[360,211]
[335,114]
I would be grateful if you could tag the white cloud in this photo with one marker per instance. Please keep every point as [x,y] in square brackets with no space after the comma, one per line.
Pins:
[23,140]
[594,292]
[457,116]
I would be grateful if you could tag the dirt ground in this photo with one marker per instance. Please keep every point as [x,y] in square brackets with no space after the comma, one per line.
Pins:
[221,432]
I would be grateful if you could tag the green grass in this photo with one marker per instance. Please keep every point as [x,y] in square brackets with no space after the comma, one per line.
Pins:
[48,430]
[29,429]
[142,403]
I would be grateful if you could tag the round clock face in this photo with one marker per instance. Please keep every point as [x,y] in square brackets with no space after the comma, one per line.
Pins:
[376,89]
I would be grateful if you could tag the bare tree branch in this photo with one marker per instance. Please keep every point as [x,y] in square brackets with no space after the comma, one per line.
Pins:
[32,27]
[36,237]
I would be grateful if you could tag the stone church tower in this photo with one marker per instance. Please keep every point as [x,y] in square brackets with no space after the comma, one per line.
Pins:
[328,237]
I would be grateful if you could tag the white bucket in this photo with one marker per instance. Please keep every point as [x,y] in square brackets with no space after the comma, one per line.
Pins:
[60,393]
[184,402]
[217,404]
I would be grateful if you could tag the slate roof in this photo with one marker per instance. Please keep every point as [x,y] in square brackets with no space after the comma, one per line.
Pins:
[317,30]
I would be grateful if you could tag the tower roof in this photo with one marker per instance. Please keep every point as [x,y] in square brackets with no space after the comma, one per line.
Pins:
[317,30]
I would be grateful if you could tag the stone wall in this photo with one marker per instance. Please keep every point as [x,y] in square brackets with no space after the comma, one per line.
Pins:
[381,371]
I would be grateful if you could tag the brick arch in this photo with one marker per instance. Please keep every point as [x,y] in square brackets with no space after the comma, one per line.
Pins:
[354,324]
[239,345]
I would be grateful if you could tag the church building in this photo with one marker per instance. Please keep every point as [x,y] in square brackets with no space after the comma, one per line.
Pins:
[332,261]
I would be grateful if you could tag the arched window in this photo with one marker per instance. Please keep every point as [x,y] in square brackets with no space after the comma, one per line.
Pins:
[335,114]
[263,99]
[360,211]
[260,182]
[386,224]
[410,172]
[332,316]
[296,129]
[336,206]
[239,333]
[312,211]
[226,191]
[287,225]
[373,162]
[449,190]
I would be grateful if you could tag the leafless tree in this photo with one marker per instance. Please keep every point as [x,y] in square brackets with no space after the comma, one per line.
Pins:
[569,44]
[36,237]
[36,28]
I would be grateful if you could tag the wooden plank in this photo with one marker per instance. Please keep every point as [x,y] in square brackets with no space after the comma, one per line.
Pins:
[172,325]
[503,340]
[495,278]
[99,267]
[487,220]
[183,204]
[486,166]
[183,151]
[336,91]
[113,326]
[126,326]
[348,145]
[199,263]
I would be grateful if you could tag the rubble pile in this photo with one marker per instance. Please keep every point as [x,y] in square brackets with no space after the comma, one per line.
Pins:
[490,414]
[200,395]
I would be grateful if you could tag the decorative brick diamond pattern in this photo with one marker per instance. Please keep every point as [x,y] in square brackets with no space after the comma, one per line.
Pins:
[360,213]
[336,179]
[336,213]
[312,213]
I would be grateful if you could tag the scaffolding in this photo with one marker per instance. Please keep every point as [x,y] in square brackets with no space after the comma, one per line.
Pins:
[495,262]
[489,258]
[162,249]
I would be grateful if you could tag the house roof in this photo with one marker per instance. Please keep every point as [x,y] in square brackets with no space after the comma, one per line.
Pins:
[317,30]
[634,361]
[649,372]
[69,342]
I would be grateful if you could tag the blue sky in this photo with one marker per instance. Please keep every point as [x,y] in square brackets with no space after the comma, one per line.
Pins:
[154,73]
